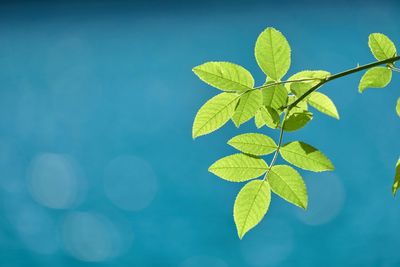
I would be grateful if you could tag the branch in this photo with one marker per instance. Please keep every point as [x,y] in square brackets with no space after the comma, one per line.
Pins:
[342,74]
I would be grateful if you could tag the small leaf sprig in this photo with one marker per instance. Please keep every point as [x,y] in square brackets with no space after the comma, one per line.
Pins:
[281,105]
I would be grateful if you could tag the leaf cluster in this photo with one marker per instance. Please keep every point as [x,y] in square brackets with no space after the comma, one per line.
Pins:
[281,105]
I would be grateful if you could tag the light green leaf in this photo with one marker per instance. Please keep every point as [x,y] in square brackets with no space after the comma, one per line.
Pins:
[306,157]
[214,113]
[296,121]
[249,103]
[299,88]
[251,205]
[253,143]
[396,183]
[270,117]
[287,183]
[258,120]
[398,107]
[324,104]
[377,77]
[275,96]
[381,46]
[272,53]
[225,76]
[239,167]
[299,108]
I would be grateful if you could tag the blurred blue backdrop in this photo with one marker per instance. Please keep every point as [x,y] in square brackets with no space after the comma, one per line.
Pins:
[97,164]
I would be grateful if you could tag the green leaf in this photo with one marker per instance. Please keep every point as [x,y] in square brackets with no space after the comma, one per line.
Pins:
[225,76]
[287,183]
[267,116]
[324,104]
[272,53]
[396,183]
[398,107]
[258,120]
[214,113]
[275,96]
[299,108]
[377,77]
[253,143]
[381,46]
[270,117]
[305,156]
[296,121]
[249,103]
[239,167]
[299,88]
[251,205]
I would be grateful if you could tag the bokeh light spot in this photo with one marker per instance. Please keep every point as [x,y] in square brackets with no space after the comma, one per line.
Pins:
[130,183]
[90,237]
[325,199]
[269,246]
[55,181]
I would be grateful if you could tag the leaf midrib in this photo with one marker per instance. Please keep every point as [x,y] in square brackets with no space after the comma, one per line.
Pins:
[223,78]
[230,102]
[301,155]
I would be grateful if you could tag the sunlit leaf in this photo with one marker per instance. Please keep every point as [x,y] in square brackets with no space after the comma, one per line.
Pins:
[249,103]
[299,108]
[324,104]
[396,183]
[296,121]
[398,107]
[288,184]
[377,77]
[214,113]
[251,205]
[239,167]
[381,46]
[275,96]
[225,76]
[305,156]
[272,53]
[270,117]
[312,77]
[253,143]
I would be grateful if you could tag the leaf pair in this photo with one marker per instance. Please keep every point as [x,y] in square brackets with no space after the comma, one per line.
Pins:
[378,77]
[253,200]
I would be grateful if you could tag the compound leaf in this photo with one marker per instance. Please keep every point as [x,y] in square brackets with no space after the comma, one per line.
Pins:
[239,167]
[251,205]
[214,113]
[253,143]
[377,77]
[305,157]
[381,46]
[249,103]
[296,121]
[324,104]
[396,183]
[225,76]
[272,53]
[287,183]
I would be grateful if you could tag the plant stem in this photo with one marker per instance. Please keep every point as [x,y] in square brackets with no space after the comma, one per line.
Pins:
[342,74]
[288,81]
[277,148]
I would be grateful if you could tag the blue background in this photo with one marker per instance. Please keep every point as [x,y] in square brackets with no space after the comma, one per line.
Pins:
[97,163]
